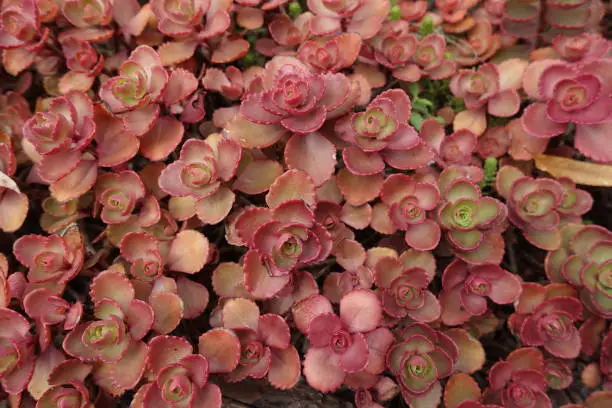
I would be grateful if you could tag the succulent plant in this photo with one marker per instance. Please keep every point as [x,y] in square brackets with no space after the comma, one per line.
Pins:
[545,316]
[492,86]
[518,379]
[295,97]
[17,352]
[368,188]
[403,281]
[582,260]
[381,134]
[538,206]
[569,94]
[339,344]
[265,347]
[180,377]
[421,358]
[471,222]
[466,289]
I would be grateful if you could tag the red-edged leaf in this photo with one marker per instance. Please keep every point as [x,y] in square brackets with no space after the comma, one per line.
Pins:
[221,347]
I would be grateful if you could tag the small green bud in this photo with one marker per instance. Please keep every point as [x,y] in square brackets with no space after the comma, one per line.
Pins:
[490,172]
[395,13]
[249,58]
[294,9]
[426,27]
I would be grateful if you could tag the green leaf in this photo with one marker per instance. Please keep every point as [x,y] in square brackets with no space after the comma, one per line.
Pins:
[414,89]
[425,102]
[416,119]
[440,120]
[418,105]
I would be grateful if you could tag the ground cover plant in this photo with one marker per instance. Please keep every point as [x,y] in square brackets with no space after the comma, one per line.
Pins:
[392,202]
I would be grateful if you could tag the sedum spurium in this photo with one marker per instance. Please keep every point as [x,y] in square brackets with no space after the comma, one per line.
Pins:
[344,194]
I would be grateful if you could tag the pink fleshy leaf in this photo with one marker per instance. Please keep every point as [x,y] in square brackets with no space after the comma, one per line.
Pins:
[168,311]
[77,183]
[165,350]
[162,139]
[90,34]
[250,18]
[429,312]
[511,73]
[141,120]
[257,176]
[18,379]
[504,104]
[215,208]
[227,280]
[523,145]
[360,310]
[188,252]
[322,369]
[355,357]
[258,281]
[306,310]
[42,304]
[424,236]
[208,396]
[358,190]
[473,120]
[230,50]
[284,370]
[249,220]
[379,342]
[172,53]
[181,84]
[128,371]
[349,254]
[303,286]
[587,141]
[194,296]
[139,317]
[17,60]
[240,313]
[358,217]
[112,285]
[221,347]
[381,222]
[75,81]
[14,208]
[362,163]
[274,331]
[253,135]
[536,122]
[313,154]
[45,363]
[291,185]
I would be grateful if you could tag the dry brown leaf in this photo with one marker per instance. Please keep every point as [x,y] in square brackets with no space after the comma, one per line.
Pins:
[588,174]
